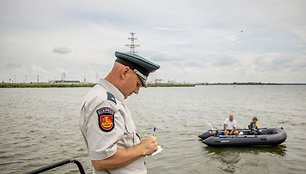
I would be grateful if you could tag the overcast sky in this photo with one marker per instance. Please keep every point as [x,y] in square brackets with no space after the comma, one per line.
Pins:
[192,40]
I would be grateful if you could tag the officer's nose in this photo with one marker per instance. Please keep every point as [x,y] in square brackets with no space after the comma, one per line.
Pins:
[136,91]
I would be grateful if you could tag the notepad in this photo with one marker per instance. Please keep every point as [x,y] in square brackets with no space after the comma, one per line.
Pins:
[159,149]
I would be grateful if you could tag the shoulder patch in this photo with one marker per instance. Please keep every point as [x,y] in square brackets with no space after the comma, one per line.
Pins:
[106,119]
[111,97]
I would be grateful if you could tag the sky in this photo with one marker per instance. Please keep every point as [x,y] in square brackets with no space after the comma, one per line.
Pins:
[192,40]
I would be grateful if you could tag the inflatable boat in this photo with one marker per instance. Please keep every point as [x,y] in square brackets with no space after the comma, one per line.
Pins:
[261,137]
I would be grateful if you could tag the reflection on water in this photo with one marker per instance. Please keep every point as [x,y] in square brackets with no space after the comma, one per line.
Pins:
[230,156]
[280,150]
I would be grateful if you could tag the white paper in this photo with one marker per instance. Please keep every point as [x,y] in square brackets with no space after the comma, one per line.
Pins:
[159,149]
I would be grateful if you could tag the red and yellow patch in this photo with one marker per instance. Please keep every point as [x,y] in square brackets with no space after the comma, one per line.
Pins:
[106,122]
[106,119]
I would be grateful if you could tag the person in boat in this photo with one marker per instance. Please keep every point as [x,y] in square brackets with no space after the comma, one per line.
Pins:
[106,123]
[230,126]
[253,126]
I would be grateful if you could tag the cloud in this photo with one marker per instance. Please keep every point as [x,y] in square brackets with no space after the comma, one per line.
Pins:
[61,50]
[276,62]
[232,39]
[194,41]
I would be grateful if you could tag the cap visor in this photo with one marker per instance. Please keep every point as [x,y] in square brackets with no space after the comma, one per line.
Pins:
[143,82]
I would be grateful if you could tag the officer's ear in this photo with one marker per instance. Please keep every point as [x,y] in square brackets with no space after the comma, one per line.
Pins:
[124,72]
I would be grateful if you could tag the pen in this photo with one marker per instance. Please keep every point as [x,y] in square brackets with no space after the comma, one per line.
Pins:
[154,130]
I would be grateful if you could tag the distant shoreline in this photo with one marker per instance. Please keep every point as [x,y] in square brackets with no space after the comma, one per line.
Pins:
[81,85]
[250,83]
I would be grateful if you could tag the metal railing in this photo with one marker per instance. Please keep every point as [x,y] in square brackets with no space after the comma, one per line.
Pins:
[58,164]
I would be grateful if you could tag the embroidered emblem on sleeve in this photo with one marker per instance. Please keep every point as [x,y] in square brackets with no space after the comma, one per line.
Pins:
[106,119]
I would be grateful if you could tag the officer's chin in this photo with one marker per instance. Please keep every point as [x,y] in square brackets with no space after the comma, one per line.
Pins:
[126,96]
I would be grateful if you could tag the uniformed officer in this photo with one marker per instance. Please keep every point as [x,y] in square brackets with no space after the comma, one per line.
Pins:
[106,123]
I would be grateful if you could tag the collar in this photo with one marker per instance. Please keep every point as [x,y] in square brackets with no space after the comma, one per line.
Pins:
[112,89]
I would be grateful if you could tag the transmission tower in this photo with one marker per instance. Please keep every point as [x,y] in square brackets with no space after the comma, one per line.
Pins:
[132,45]
[37,78]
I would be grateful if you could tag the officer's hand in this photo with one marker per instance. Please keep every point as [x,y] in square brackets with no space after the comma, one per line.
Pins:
[149,145]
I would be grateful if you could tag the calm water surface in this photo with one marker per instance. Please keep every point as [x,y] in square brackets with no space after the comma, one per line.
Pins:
[40,126]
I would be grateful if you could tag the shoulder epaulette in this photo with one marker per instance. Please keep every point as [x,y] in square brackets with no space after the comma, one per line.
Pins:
[111,97]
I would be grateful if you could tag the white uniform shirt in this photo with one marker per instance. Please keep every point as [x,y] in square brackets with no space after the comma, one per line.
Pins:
[107,124]
[230,124]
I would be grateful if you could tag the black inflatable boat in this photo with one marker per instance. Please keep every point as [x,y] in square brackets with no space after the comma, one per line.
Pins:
[262,137]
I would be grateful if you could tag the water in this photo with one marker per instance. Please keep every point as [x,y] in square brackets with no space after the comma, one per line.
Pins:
[40,126]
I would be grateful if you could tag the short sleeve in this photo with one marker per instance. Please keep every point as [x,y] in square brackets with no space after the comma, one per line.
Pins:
[101,138]
[235,124]
[225,122]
